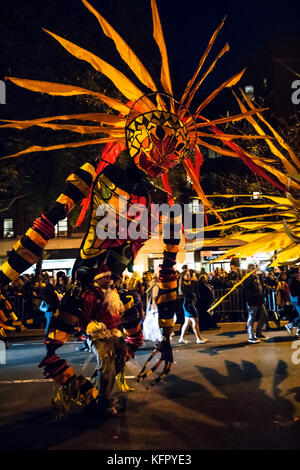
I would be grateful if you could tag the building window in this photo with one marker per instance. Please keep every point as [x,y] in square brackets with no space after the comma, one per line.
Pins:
[249,90]
[195,207]
[61,229]
[8,228]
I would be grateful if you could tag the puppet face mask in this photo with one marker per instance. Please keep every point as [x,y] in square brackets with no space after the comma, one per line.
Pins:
[158,140]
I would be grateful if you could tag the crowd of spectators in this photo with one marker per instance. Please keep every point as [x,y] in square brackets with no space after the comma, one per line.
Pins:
[209,286]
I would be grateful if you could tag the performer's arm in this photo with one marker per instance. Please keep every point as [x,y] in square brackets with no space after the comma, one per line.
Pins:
[28,250]
[166,301]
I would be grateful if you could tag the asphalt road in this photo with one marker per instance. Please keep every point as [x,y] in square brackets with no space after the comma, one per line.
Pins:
[225,394]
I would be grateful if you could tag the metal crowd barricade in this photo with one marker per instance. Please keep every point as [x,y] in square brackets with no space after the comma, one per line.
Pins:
[233,308]
[19,307]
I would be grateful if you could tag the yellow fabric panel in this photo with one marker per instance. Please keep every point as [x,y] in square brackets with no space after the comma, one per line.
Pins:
[159,39]
[291,253]
[267,243]
[129,305]
[168,285]
[79,183]
[166,323]
[161,299]
[65,200]
[36,238]
[59,335]
[9,272]
[90,169]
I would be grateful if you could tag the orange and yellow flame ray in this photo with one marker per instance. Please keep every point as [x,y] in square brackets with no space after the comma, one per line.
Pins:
[59,89]
[37,148]
[202,60]
[158,35]
[124,85]
[124,50]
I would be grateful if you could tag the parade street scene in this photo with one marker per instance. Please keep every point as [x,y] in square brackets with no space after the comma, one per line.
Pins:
[149,228]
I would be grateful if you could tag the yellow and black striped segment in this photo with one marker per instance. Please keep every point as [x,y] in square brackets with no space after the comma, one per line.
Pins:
[28,250]
[131,322]
[167,299]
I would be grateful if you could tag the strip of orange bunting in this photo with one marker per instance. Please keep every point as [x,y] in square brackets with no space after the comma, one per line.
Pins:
[37,148]
[124,85]
[59,89]
[202,60]
[124,50]
[196,185]
[158,35]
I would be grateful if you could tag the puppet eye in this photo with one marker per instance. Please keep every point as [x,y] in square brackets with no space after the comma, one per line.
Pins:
[160,133]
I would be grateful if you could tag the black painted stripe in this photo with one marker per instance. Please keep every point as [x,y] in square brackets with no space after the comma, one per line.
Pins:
[31,246]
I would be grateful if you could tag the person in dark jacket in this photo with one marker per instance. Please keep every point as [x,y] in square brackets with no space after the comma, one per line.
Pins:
[205,297]
[254,295]
[294,287]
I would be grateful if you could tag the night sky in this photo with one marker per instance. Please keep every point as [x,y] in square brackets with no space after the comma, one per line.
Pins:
[188,25]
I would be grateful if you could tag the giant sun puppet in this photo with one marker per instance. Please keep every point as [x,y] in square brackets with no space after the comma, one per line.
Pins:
[158,132]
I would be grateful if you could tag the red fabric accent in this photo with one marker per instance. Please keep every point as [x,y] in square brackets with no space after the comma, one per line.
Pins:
[109,154]
[45,226]
[198,162]
[206,221]
[250,164]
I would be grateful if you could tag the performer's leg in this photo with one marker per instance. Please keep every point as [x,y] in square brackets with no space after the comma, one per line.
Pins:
[105,352]
[196,330]
[183,329]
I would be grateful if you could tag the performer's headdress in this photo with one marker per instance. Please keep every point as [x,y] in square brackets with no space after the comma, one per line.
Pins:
[102,271]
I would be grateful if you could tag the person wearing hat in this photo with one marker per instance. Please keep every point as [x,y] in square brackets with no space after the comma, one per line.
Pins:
[101,317]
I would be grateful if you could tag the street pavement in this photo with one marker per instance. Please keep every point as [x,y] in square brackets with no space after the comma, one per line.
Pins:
[226,394]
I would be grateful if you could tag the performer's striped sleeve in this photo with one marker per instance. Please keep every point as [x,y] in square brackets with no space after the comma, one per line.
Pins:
[28,250]
[166,301]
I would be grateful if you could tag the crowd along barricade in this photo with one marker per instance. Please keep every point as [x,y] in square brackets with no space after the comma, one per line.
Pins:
[21,309]
[234,308]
